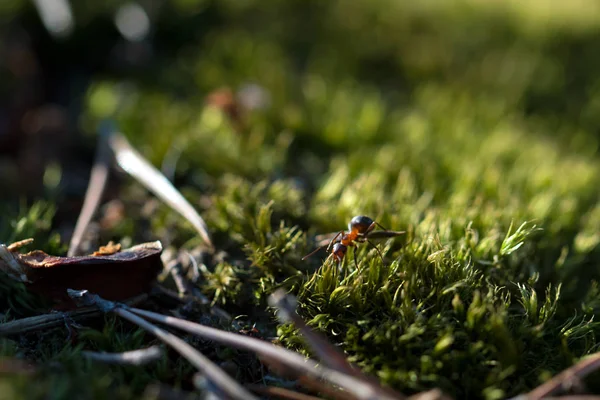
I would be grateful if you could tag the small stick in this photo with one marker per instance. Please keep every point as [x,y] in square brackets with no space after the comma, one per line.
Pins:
[52,320]
[328,354]
[187,291]
[294,361]
[216,375]
[433,394]
[282,393]
[561,381]
[135,357]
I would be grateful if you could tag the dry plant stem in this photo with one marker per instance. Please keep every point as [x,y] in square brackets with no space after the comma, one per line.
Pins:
[46,321]
[93,194]
[319,386]
[575,397]
[135,357]
[145,173]
[309,382]
[197,297]
[433,394]
[187,290]
[328,354]
[561,381]
[159,391]
[282,393]
[216,375]
[294,361]
[174,268]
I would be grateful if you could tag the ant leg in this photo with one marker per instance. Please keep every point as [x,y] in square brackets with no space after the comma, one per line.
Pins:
[355,259]
[334,239]
[380,255]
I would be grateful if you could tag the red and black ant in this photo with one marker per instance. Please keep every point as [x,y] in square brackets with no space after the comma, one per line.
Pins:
[360,230]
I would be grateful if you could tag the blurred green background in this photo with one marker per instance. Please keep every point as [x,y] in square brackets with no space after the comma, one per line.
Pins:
[448,119]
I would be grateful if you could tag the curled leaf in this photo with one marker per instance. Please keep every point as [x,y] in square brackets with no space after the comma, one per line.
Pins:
[115,274]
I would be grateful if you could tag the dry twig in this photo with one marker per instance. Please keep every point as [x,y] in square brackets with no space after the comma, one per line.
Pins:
[282,393]
[328,354]
[135,357]
[291,360]
[219,378]
[52,320]
[565,379]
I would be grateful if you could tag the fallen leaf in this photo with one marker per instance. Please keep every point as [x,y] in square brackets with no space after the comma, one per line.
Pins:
[116,275]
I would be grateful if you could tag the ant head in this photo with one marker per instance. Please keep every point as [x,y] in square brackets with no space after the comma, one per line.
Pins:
[361,224]
[339,251]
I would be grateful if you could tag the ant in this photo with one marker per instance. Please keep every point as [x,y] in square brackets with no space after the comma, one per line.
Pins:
[360,229]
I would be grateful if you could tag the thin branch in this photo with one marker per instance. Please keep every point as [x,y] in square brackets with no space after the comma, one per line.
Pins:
[52,320]
[434,394]
[282,393]
[294,361]
[328,354]
[135,357]
[219,378]
[566,378]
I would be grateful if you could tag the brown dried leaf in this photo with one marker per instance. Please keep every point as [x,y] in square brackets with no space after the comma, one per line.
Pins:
[115,275]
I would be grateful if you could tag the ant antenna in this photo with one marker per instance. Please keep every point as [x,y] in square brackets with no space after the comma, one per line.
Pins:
[313,252]
[381,226]
[322,247]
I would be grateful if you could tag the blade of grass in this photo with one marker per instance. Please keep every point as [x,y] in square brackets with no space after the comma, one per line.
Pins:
[93,194]
[145,173]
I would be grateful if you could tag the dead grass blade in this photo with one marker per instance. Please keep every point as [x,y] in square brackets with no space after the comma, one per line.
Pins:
[93,194]
[566,379]
[328,354]
[433,394]
[135,357]
[145,173]
[291,360]
[324,351]
[219,378]
[282,393]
